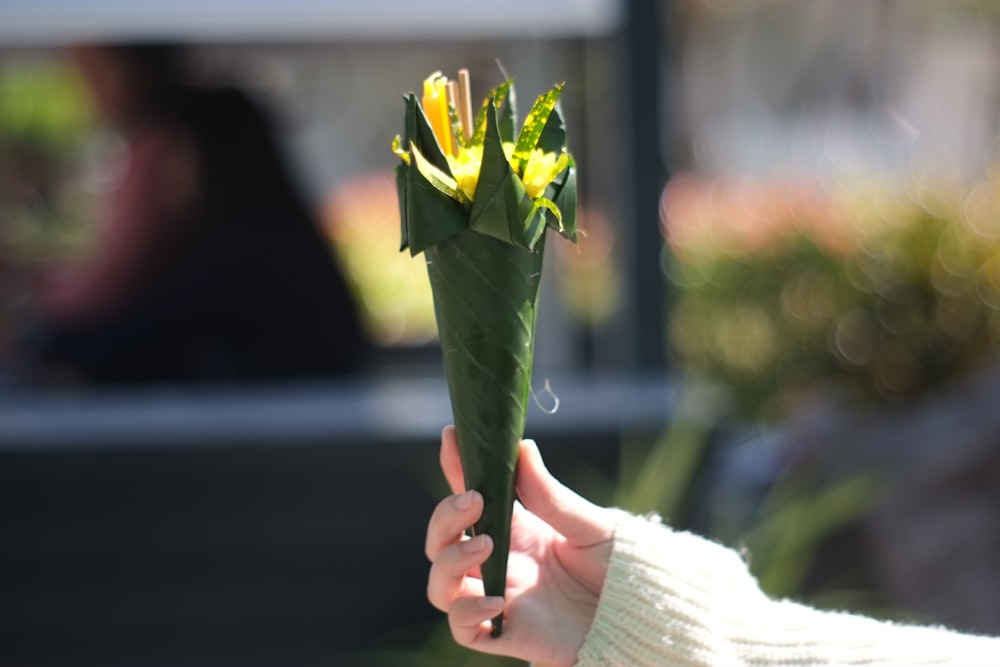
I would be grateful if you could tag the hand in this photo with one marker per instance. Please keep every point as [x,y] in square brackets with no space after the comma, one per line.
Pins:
[559,551]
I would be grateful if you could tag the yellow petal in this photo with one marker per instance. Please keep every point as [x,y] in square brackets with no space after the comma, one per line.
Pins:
[540,169]
[441,181]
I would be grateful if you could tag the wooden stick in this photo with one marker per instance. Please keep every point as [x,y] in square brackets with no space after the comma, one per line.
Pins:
[465,102]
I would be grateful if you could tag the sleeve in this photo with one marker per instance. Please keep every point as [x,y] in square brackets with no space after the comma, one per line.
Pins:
[673,598]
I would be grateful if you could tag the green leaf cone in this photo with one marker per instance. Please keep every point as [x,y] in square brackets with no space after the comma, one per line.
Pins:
[485,265]
[486,300]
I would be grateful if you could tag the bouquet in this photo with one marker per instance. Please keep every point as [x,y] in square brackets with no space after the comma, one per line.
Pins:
[477,199]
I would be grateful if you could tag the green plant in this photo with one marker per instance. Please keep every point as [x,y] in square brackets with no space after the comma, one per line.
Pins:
[44,122]
[783,529]
[875,297]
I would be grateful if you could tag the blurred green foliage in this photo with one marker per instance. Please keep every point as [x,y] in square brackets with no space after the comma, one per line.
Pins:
[876,297]
[40,106]
[361,218]
[45,126]
[785,296]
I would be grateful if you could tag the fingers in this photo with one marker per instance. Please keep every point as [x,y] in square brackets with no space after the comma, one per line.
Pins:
[451,463]
[449,580]
[449,586]
[450,519]
[581,522]
[469,618]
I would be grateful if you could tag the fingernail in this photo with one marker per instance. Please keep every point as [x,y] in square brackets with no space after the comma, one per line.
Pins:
[492,603]
[477,543]
[464,501]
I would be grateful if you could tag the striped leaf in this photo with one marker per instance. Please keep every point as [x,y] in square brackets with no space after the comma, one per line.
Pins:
[498,97]
[441,181]
[533,126]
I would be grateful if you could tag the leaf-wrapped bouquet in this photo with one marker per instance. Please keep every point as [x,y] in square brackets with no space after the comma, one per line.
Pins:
[477,199]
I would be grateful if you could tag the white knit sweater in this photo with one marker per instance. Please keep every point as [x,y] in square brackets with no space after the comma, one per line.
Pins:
[673,598]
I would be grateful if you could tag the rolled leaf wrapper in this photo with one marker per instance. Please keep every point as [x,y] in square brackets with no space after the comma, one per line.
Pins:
[486,298]
[484,260]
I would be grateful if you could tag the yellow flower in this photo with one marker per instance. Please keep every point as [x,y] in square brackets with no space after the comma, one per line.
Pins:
[445,104]
[465,167]
[540,169]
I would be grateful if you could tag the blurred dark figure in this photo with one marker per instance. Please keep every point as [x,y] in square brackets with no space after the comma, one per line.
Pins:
[211,267]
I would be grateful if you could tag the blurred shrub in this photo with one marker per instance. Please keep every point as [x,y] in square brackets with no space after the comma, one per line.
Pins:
[587,274]
[42,105]
[45,214]
[45,123]
[872,294]
[362,219]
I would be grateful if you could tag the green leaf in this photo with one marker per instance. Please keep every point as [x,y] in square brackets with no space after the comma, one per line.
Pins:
[420,133]
[441,181]
[528,223]
[501,207]
[562,191]
[495,98]
[553,137]
[430,216]
[508,114]
[534,124]
[404,240]
[550,206]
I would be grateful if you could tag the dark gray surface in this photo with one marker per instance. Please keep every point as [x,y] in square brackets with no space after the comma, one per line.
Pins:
[269,526]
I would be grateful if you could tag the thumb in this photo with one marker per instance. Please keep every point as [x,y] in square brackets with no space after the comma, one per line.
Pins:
[580,521]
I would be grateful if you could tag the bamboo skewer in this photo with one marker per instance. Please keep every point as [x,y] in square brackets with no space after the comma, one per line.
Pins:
[465,102]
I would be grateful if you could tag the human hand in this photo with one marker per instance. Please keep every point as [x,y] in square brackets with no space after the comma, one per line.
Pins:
[559,550]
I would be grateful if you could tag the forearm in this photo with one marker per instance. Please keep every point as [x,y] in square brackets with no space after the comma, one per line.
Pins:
[674,598]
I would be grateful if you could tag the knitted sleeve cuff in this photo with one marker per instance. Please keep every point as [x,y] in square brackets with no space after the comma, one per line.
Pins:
[660,598]
[674,598]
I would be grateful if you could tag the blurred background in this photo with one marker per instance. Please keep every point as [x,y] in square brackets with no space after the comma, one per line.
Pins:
[220,389]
